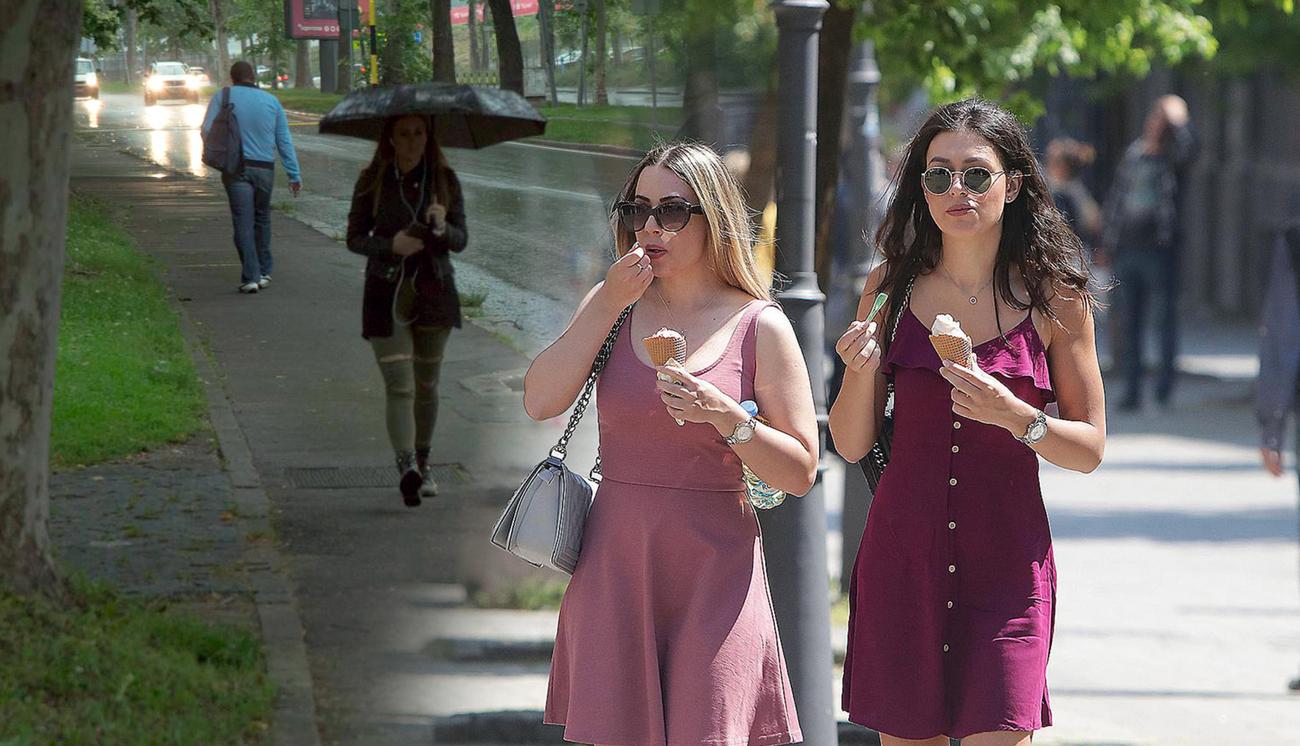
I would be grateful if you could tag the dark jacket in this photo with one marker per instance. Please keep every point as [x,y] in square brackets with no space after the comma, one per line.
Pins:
[1279,352]
[371,231]
[1158,229]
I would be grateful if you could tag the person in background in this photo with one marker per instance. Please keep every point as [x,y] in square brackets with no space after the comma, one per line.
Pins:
[1066,159]
[1141,241]
[407,218]
[264,131]
[1279,358]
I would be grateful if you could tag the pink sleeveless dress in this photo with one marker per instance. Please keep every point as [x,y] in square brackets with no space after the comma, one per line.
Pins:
[953,595]
[666,634]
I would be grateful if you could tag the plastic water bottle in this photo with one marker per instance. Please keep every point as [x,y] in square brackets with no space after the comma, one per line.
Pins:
[761,494]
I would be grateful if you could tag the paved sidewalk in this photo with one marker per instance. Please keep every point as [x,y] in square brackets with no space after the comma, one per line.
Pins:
[307,397]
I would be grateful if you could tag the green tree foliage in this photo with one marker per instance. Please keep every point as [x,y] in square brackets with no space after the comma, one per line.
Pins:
[182,22]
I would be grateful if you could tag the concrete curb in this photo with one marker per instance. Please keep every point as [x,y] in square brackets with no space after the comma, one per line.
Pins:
[283,644]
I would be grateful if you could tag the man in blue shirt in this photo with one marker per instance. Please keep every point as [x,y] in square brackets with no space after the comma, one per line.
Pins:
[264,130]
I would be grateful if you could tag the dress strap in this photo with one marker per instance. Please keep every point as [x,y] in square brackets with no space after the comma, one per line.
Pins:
[749,340]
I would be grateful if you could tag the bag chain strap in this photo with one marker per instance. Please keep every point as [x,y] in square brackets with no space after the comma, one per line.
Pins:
[597,366]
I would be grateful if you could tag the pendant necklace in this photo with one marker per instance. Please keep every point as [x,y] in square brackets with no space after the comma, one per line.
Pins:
[974,297]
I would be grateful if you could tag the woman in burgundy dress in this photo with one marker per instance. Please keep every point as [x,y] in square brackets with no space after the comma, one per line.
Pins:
[952,600]
[666,633]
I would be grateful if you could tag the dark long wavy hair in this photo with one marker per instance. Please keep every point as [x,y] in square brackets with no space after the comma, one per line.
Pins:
[386,155]
[1036,239]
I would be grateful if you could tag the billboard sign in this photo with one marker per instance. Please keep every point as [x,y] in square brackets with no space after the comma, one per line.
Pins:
[317,19]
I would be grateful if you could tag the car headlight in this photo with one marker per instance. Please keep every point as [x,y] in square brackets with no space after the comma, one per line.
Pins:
[154,84]
[92,80]
[192,82]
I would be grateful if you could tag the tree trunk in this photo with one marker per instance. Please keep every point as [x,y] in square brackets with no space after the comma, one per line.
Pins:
[302,65]
[602,52]
[473,36]
[128,31]
[510,57]
[546,18]
[700,99]
[444,50]
[218,12]
[833,53]
[484,50]
[40,42]
[391,69]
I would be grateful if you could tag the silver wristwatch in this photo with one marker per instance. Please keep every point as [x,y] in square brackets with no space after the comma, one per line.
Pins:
[743,432]
[1036,431]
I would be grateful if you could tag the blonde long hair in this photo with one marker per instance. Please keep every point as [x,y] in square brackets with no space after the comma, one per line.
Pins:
[731,232]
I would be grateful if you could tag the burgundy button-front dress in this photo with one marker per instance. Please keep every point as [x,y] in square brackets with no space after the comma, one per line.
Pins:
[953,593]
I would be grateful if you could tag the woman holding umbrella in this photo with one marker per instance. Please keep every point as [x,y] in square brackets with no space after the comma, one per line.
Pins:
[407,217]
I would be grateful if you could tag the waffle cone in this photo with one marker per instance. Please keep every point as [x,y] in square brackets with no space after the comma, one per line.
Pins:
[954,349]
[665,347]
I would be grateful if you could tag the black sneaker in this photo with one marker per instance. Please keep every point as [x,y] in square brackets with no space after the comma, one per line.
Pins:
[410,481]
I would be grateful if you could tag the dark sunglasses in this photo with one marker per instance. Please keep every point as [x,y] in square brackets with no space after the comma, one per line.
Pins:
[937,180]
[671,216]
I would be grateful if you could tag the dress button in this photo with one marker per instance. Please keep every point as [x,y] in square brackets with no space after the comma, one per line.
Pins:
[953,481]
[956,425]
[950,604]
[952,524]
[956,449]
[945,647]
[952,568]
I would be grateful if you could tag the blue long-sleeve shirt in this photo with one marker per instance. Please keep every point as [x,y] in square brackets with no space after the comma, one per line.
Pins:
[263,126]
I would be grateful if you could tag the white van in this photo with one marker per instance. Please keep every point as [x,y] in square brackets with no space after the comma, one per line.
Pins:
[86,80]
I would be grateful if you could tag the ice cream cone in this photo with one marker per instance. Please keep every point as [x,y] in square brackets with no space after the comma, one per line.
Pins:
[952,348]
[666,346]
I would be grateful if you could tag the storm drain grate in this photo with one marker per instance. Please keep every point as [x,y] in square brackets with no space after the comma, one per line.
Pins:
[351,477]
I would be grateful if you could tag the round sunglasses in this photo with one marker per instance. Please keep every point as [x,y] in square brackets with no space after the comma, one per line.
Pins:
[671,216]
[937,180]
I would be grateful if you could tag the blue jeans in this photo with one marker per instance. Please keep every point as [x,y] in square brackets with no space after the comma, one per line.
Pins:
[250,211]
[1147,285]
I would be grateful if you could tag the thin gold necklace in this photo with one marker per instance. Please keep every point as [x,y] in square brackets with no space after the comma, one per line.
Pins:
[974,298]
[673,317]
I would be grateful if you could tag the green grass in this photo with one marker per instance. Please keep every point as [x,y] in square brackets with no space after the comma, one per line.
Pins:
[533,594]
[309,100]
[124,381]
[107,670]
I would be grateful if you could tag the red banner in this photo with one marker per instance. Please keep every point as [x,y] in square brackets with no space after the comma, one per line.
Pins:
[460,13]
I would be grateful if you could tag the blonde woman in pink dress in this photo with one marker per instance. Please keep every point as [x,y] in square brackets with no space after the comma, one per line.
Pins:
[666,632]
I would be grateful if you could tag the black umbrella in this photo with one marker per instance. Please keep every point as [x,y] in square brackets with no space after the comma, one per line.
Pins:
[464,116]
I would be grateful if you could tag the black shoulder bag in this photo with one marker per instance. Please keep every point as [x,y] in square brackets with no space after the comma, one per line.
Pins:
[873,464]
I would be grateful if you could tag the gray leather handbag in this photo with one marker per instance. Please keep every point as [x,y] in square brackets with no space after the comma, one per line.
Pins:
[543,522]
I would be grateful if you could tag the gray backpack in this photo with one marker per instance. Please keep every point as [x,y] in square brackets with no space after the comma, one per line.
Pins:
[223,149]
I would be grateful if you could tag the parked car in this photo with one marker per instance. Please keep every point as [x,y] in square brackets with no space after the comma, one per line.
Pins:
[170,80]
[201,75]
[86,79]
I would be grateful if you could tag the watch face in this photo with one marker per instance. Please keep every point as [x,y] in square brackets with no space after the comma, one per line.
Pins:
[744,431]
[1037,431]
